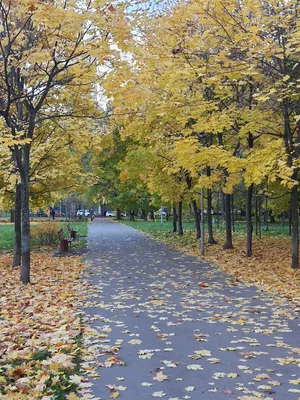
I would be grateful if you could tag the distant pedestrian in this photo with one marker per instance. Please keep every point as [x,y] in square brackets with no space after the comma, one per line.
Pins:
[92,214]
[52,213]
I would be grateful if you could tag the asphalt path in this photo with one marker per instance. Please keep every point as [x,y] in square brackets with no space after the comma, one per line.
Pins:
[171,326]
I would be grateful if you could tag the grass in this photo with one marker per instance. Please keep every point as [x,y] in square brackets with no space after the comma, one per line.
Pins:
[6,237]
[274,229]
[7,233]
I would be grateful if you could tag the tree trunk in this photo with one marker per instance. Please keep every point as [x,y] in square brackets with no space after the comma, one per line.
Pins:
[197,219]
[290,222]
[24,171]
[283,218]
[17,227]
[180,228]
[228,243]
[295,228]
[144,213]
[174,215]
[266,215]
[232,213]
[259,216]
[12,215]
[256,214]
[211,239]
[218,207]
[118,214]
[249,221]
[152,216]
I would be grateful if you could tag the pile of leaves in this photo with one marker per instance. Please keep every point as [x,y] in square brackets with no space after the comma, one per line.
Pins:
[268,268]
[40,329]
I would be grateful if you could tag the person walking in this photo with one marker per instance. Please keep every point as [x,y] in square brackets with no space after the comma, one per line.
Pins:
[52,213]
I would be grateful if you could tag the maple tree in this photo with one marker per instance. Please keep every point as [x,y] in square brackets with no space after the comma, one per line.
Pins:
[220,84]
[50,52]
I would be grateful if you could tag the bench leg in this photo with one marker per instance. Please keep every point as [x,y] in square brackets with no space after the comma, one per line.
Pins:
[64,248]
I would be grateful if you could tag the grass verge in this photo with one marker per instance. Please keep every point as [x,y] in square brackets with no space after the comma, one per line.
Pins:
[7,234]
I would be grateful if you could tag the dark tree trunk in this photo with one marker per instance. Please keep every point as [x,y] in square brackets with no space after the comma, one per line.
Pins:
[180,228]
[174,216]
[12,215]
[232,213]
[24,171]
[218,209]
[295,227]
[211,239]
[17,228]
[144,213]
[290,222]
[228,243]
[196,218]
[256,215]
[152,216]
[131,214]
[249,221]
[266,215]
[259,216]
[118,214]
[283,218]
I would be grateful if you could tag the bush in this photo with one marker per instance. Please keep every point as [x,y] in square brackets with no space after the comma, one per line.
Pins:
[44,234]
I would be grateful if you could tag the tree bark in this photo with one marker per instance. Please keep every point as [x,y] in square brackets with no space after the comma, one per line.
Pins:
[295,227]
[290,222]
[218,207]
[174,216]
[197,219]
[228,243]
[17,227]
[118,214]
[256,214]
[249,221]
[24,171]
[232,213]
[211,239]
[180,228]
[283,218]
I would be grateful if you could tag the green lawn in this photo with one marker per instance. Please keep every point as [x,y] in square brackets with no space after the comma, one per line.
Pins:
[7,233]
[274,229]
[6,237]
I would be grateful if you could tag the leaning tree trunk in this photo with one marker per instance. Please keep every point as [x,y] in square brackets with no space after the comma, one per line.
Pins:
[17,227]
[228,243]
[249,221]
[180,228]
[24,171]
[197,219]
[295,227]
[174,215]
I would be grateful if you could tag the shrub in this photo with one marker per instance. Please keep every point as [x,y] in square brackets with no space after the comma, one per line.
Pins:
[44,234]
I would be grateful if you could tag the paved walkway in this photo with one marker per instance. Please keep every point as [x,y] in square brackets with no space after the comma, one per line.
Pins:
[172,327]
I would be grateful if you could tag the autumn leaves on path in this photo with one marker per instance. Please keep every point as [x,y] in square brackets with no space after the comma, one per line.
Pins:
[166,325]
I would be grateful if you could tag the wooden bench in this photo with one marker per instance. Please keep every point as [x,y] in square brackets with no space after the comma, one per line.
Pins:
[72,231]
[64,242]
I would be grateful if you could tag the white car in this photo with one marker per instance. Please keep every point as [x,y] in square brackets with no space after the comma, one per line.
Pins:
[110,214]
[80,213]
